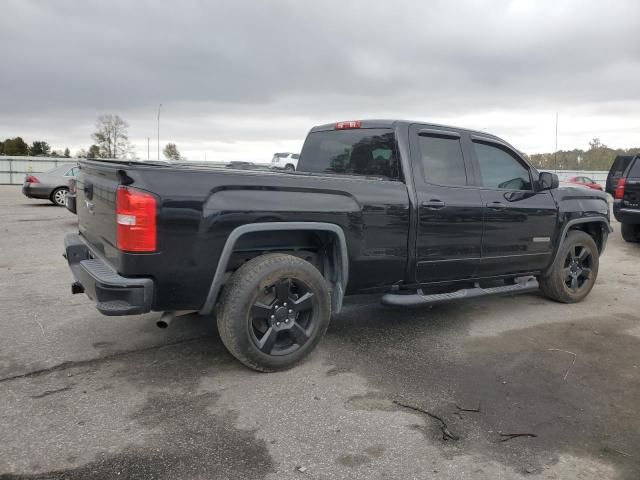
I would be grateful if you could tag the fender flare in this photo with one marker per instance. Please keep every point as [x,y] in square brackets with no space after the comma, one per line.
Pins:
[577,221]
[339,286]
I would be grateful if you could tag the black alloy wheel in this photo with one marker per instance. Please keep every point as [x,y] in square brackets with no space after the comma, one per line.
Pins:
[282,320]
[273,311]
[577,267]
[573,273]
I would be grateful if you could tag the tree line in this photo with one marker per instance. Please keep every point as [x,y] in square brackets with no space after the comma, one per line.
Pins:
[110,140]
[17,147]
[597,157]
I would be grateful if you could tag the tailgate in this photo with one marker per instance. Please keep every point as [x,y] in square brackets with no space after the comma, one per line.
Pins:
[96,205]
[632,193]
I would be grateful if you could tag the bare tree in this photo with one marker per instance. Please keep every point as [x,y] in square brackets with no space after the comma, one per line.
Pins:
[112,137]
[171,152]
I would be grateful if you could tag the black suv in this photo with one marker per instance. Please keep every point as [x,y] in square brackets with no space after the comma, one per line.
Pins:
[626,203]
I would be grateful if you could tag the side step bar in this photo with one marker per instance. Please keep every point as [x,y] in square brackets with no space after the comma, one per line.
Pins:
[523,284]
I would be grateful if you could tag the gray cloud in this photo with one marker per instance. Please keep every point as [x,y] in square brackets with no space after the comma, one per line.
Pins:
[237,72]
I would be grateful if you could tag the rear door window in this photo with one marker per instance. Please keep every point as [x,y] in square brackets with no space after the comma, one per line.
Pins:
[363,151]
[442,160]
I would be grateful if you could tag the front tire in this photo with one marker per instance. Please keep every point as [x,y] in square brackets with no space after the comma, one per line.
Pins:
[273,312]
[58,196]
[574,272]
[629,232]
[289,168]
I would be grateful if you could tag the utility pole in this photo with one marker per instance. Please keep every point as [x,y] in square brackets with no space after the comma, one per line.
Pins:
[148,148]
[159,107]
[556,150]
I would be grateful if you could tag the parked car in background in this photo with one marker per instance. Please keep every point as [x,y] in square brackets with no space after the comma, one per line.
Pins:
[618,167]
[285,161]
[626,201]
[70,199]
[586,181]
[52,185]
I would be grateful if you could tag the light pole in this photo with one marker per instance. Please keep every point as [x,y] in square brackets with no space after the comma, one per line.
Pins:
[148,149]
[159,107]
[556,153]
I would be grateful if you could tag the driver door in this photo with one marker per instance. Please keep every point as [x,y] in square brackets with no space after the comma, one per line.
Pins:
[519,222]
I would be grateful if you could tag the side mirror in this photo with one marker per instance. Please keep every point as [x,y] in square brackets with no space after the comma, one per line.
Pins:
[548,181]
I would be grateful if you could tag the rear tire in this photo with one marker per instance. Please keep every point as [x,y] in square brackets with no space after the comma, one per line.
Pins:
[273,312]
[58,196]
[574,272]
[629,232]
[289,168]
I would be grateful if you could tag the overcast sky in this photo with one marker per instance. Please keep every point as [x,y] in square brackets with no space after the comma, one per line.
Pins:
[241,80]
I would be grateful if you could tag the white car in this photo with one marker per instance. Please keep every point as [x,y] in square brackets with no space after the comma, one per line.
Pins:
[285,161]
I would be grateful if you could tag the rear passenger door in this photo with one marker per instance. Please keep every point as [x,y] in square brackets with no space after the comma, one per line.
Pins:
[449,233]
[519,221]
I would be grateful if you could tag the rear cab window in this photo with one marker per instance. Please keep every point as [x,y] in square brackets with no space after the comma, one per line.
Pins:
[368,152]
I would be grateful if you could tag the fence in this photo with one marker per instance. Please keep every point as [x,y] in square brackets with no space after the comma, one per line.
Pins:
[13,169]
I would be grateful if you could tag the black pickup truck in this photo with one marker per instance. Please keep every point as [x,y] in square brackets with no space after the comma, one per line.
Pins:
[418,213]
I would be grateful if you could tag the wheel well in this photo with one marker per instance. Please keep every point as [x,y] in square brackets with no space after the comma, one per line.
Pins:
[313,246]
[596,230]
[320,248]
[53,192]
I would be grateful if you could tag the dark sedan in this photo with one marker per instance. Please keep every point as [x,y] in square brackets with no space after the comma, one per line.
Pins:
[52,185]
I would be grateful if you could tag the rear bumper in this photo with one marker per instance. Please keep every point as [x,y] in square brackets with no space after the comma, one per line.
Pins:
[113,293]
[35,190]
[626,215]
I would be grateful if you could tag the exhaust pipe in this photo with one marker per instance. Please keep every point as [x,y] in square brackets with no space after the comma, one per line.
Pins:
[165,319]
[168,317]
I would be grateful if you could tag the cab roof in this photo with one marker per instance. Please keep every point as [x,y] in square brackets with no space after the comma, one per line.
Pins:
[388,123]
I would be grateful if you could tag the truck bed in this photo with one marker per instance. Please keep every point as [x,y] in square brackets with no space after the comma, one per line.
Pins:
[199,206]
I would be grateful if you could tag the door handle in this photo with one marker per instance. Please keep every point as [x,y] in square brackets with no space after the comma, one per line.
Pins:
[434,204]
[496,206]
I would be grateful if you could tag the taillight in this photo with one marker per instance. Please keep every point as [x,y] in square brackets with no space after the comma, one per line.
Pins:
[31,179]
[136,218]
[619,193]
[348,124]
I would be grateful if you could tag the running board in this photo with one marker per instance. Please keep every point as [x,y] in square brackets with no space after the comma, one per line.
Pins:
[522,285]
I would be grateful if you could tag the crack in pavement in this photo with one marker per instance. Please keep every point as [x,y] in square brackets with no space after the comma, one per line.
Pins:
[78,363]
